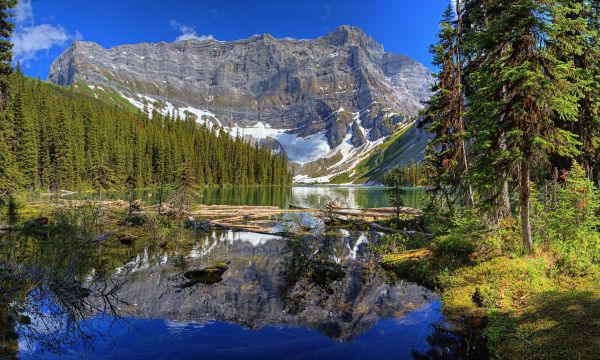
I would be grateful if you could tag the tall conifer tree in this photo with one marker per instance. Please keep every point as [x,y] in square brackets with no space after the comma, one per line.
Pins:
[446,157]
[521,89]
[8,169]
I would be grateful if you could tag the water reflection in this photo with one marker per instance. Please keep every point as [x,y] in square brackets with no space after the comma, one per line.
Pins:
[315,296]
[310,196]
[49,283]
[353,196]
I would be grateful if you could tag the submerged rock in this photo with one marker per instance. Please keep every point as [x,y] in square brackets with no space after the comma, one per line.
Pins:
[207,275]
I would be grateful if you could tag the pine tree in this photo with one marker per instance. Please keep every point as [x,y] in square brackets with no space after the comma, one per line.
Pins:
[185,183]
[62,139]
[394,180]
[521,88]
[26,135]
[62,163]
[445,154]
[6,30]
[8,170]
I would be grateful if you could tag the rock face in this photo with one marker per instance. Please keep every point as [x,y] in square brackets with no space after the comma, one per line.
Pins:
[257,290]
[342,85]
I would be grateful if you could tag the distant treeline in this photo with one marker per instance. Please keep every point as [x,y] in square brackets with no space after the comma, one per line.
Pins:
[56,138]
[411,175]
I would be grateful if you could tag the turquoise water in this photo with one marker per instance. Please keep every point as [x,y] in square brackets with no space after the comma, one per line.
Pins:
[311,196]
[353,196]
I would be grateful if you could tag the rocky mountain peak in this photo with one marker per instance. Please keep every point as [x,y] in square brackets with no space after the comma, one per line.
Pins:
[347,35]
[308,98]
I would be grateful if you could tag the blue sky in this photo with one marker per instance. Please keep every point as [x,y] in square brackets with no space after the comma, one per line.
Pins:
[44,28]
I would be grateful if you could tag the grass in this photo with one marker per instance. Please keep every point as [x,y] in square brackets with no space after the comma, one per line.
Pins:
[394,149]
[527,307]
[106,95]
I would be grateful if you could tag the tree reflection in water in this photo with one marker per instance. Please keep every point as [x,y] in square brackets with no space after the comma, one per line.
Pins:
[62,290]
[50,280]
[448,344]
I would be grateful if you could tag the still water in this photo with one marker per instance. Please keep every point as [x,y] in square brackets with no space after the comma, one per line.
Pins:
[178,294]
[273,298]
[308,195]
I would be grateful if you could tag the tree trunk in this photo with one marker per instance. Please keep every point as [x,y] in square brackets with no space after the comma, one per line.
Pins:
[524,194]
[504,210]
[461,99]
[398,201]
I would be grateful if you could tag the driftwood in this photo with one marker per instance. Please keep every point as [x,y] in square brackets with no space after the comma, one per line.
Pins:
[241,227]
[6,229]
[256,218]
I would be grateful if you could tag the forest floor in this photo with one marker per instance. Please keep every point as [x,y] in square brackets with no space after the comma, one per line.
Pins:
[521,307]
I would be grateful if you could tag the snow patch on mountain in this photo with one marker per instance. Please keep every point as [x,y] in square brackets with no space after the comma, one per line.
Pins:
[351,156]
[298,149]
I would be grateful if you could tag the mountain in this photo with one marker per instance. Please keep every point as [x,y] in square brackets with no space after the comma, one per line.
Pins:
[328,103]
[258,290]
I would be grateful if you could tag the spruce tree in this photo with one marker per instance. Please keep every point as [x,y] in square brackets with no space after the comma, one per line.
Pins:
[393,179]
[445,154]
[26,135]
[521,88]
[8,170]
[62,163]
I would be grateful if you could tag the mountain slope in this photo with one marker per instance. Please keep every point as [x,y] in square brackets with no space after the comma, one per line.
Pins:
[330,100]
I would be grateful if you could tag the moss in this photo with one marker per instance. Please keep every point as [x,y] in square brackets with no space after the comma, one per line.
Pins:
[528,309]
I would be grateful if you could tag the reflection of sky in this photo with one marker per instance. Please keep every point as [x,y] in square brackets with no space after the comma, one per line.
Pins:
[147,338]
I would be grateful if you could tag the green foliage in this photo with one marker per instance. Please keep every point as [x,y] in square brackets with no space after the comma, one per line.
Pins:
[391,243]
[568,224]
[12,210]
[6,29]
[395,181]
[461,240]
[9,175]
[63,139]
[445,155]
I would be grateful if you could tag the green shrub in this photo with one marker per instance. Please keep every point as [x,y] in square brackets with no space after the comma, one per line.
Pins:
[398,242]
[455,246]
[568,226]
[462,238]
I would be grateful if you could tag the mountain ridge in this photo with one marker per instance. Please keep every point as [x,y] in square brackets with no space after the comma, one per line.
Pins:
[313,99]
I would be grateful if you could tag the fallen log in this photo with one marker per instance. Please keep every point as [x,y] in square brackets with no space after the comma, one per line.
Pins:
[391,210]
[298,207]
[375,226]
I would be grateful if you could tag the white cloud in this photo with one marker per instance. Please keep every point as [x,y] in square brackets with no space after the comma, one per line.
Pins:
[30,39]
[24,13]
[188,32]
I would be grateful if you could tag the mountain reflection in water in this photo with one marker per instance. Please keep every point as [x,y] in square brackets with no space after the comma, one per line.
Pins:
[315,297]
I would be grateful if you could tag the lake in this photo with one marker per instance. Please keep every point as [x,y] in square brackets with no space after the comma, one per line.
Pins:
[310,298]
[316,196]
[182,294]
